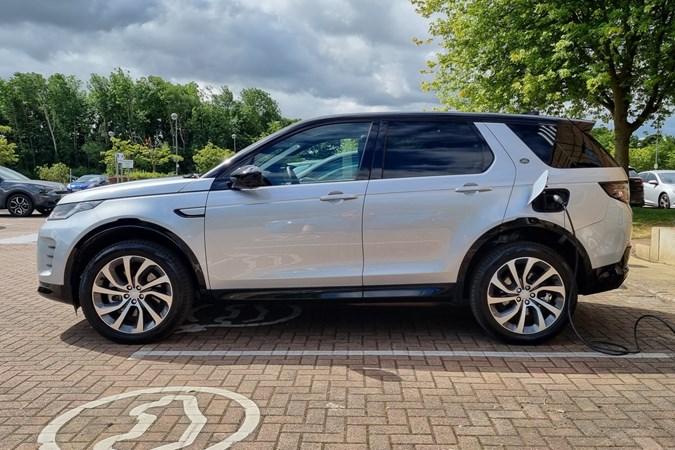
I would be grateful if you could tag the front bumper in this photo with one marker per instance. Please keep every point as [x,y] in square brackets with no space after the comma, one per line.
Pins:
[56,292]
[49,200]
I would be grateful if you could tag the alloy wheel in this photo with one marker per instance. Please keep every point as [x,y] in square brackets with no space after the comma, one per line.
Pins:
[526,295]
[132,294]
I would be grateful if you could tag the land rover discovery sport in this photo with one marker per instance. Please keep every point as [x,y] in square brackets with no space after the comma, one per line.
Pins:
[465,208]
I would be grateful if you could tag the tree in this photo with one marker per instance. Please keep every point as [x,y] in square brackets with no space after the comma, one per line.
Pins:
[7,149]
[57,172]
[579,57]
[209,157]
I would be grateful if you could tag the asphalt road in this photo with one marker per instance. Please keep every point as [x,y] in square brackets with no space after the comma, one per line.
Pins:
[324,376]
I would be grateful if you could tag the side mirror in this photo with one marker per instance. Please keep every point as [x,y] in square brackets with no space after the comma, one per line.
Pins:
[653,182]
[247,177]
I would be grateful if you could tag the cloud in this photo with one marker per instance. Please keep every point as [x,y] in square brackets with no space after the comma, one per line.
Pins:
[321,55]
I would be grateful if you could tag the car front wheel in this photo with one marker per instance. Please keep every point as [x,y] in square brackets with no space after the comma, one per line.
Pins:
[521,292]
[20,205]
[664,201]
[134,292]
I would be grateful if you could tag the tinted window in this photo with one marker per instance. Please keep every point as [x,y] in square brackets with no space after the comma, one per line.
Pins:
[424,149]
[563,145]
[325,153]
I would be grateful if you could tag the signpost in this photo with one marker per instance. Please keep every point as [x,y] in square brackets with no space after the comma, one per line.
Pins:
[119,157]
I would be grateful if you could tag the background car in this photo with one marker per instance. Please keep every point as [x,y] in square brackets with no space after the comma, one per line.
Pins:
[659,188]
[636,187]
[86,182]
[21,196]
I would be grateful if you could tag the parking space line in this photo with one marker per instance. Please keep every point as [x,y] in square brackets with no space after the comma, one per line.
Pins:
[150,353]
[25,239]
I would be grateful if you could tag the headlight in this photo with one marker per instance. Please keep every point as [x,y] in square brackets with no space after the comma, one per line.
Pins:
[62,212]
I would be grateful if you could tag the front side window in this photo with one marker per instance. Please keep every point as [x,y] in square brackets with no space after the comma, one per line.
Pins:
[327,153]
[424,149]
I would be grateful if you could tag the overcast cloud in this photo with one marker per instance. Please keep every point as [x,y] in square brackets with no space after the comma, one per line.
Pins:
[313,56]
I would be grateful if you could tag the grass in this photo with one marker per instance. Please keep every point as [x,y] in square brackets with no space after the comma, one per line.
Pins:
[646,218]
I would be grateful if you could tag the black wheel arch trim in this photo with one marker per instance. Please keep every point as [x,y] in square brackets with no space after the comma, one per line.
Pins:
[101,237]
[527,229]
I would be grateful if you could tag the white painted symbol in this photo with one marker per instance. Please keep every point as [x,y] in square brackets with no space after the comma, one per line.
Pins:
[144,420]
[234,312]
[191,408]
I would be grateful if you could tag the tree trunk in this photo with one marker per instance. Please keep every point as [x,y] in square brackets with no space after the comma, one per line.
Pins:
[622,134]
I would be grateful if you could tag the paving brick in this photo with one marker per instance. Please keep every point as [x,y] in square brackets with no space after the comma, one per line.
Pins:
[341,402]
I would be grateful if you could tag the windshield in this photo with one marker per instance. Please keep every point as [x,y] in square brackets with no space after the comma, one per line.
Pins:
[9,174]
[87,178]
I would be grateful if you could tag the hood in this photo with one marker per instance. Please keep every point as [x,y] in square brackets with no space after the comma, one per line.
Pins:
[156,186]
[39,183]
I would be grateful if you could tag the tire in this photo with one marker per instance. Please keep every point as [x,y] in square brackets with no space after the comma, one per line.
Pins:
[664,201]
[20,205]
[118,309]
[507,304]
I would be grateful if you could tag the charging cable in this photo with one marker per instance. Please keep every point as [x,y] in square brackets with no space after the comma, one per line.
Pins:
[608,348]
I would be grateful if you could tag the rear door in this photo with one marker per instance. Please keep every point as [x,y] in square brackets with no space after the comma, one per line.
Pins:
[440,187]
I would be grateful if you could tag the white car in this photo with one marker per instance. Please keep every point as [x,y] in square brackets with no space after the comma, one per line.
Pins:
[466,208]
[659,188]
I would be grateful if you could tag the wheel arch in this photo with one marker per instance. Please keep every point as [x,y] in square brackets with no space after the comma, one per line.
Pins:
[531,230]
[99,238]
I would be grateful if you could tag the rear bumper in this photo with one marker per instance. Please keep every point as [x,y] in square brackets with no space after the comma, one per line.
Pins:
[608,277]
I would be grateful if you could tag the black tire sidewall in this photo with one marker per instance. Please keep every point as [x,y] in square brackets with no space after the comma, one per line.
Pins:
[179,277]
[496,258]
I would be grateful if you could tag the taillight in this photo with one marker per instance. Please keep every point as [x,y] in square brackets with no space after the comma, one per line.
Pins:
[617,190]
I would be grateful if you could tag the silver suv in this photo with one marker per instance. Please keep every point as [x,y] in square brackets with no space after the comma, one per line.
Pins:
[466,208]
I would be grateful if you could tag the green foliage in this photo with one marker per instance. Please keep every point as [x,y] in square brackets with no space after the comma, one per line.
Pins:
[58,172]
[643,155]
[575,57]
[208,157]
[7,149]
[56,119]
[145,158]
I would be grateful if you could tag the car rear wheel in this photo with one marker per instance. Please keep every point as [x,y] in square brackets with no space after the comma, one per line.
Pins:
[20,205]
[521,292]
[664,201]
[135,292]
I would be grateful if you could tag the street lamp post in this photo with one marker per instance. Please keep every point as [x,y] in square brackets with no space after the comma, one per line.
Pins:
[174,117]
[656,157]
[234,138]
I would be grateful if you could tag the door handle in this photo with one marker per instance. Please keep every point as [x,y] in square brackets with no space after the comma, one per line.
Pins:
[336,196]
[469,188]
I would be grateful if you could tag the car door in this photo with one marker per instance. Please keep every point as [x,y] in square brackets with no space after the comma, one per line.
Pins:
[292,232]
[439,190]
[650,188]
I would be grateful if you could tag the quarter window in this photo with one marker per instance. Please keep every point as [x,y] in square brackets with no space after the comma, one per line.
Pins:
[563,146]
[425,149]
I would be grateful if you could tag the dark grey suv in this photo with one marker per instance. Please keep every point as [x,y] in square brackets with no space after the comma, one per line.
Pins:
[21,196]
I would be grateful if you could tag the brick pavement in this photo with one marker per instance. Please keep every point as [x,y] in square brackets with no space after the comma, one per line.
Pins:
[52,363]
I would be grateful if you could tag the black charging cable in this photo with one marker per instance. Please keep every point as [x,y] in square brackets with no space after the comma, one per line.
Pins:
[608,348]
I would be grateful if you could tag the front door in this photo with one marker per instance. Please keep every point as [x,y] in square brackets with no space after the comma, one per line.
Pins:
[303,229]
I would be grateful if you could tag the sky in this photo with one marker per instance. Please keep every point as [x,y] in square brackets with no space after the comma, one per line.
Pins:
[314,57]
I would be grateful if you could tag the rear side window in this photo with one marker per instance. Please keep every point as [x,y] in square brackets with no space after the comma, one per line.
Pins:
[563,145]
[424,149]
